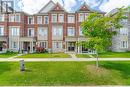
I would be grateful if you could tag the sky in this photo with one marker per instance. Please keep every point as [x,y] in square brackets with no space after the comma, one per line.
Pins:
[33,6]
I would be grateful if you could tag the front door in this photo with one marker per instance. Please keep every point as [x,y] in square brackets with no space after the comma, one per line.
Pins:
[1,46]
[71,46]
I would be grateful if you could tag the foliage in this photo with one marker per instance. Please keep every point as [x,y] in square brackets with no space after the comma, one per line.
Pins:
[99,29]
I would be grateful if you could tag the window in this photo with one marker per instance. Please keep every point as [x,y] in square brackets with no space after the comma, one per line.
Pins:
[80,31]
[54,18]
[45,19]
[71,18]
[86,15]
[30,20]
[124,31]
[1,31]
[57,31]
[57,45]
[39,20]
[42,32]
[15,31]
[81,17]
[14,18]
[43,44]
[17,18]
[11,18]
[1,17]
[14,45]
[71,31]
[61,17]
[124,44]
[30,32]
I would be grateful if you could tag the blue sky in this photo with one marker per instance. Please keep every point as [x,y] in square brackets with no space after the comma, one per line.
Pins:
[33,6]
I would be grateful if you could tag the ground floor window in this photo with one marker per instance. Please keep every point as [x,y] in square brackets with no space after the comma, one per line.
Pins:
[124,44]
[43,44]
[14,45]
[57,45]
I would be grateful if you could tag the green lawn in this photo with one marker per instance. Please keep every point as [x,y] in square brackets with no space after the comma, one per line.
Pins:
[65,73]
[108,55]
[7,55]
[83,56]
[45,55]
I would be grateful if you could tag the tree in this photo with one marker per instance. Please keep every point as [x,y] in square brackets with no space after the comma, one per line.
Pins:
[100,30]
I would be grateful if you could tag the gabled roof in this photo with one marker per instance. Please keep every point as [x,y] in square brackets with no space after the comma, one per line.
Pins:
[86,7]
[58,7]
[47,7]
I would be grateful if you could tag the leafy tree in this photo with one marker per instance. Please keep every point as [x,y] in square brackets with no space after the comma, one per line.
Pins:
[100,29]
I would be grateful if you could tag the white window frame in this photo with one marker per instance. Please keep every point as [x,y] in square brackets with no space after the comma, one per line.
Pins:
[123,31]
[57,45]
[124,44]
[42,31]
[32,21]
[14,44]
[32,32]
[61,17]
[2,17]
[57,31]
[2,30]
[54,17]
[39,19]
[81,18]
[17,20]
[46,20]
[71,18]
[80,31]
[11,17]
[43,44]
[15,31]
[70,31]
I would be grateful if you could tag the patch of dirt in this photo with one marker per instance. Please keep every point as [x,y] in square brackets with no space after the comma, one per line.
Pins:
[100,71]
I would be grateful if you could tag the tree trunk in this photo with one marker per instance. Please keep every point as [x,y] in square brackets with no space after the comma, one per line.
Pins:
[97,61]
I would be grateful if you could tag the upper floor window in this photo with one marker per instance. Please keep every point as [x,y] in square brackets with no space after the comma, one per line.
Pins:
[30,20]
[42,31]
[54,17]
[15,31]
[30,32]
[86,15]
[39,19]
[123,31]
[14,18]
[124,44]
[61,18]
[1,17]
[80,31]
[1,30]
[45,19]
[17,17]
[71,31]
[71,18]
[81,17]
[57,31]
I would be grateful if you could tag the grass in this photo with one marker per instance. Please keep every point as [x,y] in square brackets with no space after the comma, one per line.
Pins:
[45,55]
[83,56]
[65,73]
[108,55]
[7,55]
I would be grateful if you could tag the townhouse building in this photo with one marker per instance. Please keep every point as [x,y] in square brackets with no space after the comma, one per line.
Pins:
[52,28]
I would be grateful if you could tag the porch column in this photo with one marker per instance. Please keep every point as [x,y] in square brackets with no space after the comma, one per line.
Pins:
[78,49]
[31,47]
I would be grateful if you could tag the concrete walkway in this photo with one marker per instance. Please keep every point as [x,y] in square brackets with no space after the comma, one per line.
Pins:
[73,55]
[61,59]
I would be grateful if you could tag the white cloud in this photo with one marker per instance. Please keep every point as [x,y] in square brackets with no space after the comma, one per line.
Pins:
[112,4]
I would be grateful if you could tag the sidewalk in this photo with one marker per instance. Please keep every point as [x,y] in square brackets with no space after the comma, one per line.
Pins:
[61,59]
